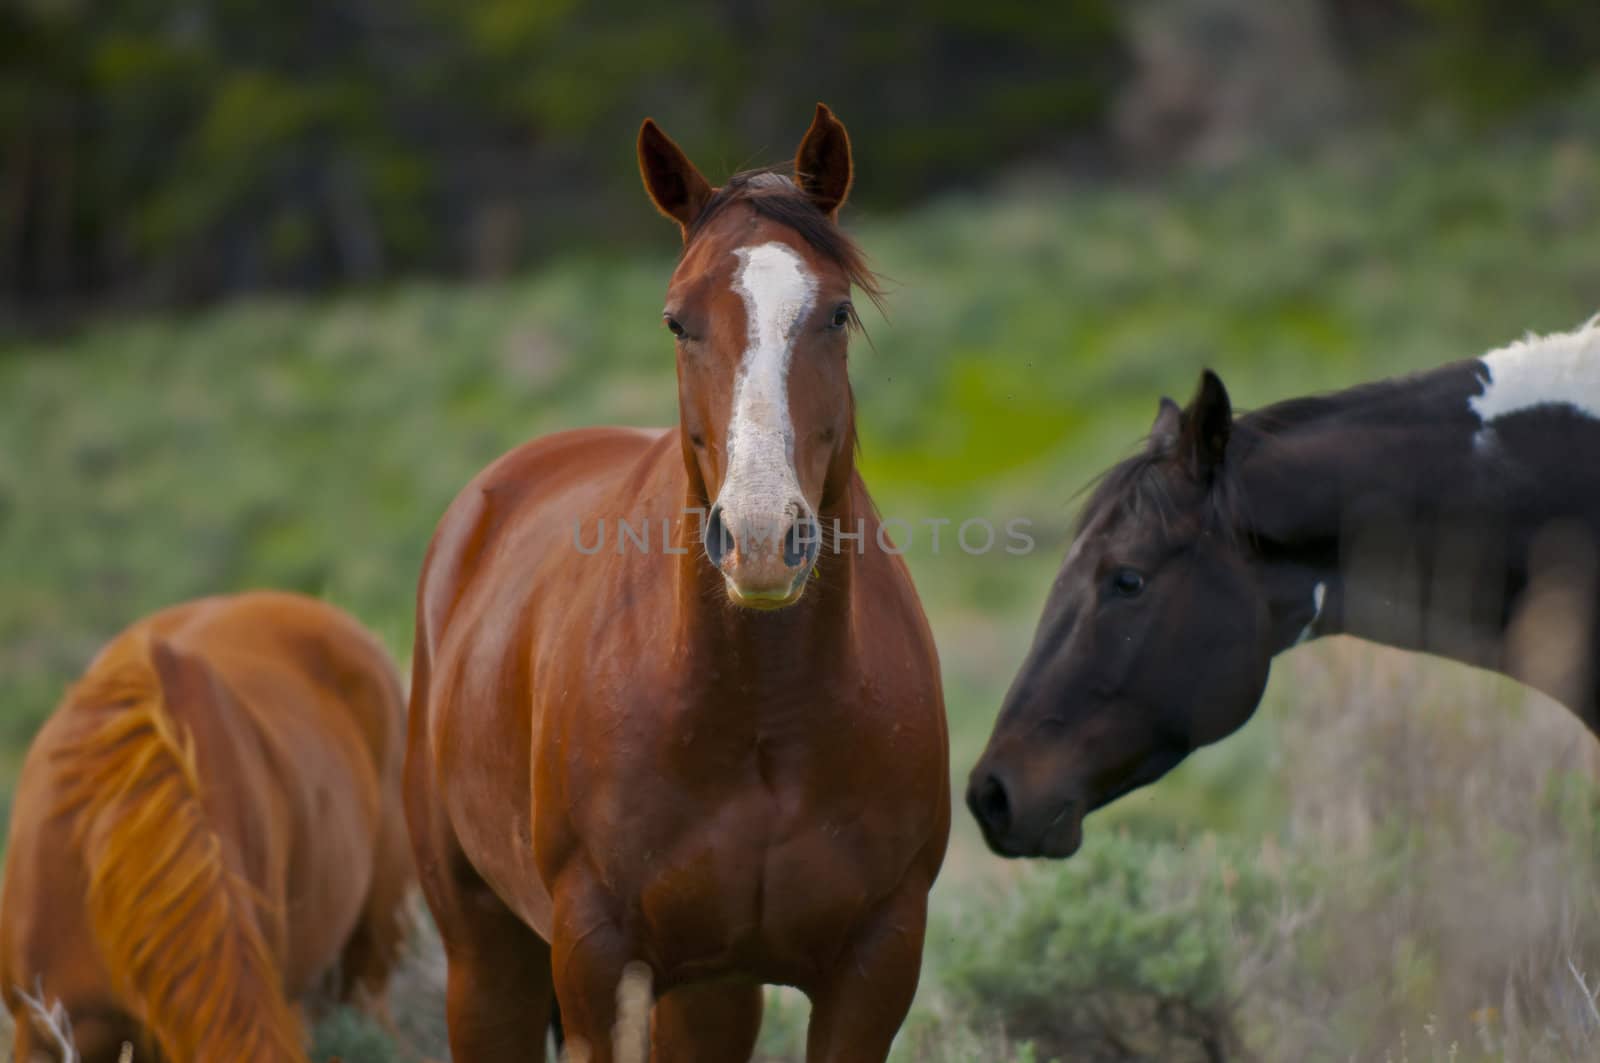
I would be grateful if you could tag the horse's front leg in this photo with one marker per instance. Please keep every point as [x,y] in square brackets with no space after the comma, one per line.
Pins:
[588,954]
[859,1006]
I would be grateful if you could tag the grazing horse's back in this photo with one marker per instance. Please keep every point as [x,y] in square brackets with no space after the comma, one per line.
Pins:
[207,827]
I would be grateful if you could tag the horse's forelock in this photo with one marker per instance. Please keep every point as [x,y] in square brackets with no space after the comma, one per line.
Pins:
[775,196]
[769,180]
[1138,486]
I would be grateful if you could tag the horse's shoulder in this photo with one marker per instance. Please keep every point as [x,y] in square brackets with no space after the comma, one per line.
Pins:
[497,501]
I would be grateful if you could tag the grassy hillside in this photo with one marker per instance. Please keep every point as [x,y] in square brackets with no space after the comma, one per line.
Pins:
[1029,334]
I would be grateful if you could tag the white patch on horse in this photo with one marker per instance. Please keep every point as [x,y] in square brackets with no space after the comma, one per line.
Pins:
[778,292]
[1562,369]
[1319,594]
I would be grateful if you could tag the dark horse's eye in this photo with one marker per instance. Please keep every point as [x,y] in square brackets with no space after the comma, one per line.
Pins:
[841,316]
[1127,582]
[672,325]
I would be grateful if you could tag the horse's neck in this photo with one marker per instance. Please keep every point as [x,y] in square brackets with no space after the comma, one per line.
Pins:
[779,650]
[1394,512]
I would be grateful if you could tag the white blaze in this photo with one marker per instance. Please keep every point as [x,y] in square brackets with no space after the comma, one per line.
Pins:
[778,292]
[1561,369]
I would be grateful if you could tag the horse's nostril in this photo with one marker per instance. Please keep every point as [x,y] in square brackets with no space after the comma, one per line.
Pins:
[990,803]
[800,545]
[717,539]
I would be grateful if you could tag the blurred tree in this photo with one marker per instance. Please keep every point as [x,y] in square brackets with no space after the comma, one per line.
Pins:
[169,151]
[173,150]
[1480,58]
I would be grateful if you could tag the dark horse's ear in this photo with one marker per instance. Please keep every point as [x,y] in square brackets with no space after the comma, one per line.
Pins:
[1206,425]
[1169,422]
[675,186]
[822,166]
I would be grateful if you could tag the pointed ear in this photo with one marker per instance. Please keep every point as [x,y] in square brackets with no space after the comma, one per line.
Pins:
[671,180]
[1169,422]
[1206,425]
[822,166]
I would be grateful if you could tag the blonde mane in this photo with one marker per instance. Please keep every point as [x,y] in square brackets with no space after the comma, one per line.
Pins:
[177,925]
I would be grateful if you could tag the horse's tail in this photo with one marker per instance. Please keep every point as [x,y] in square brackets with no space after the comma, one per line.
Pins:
[176,923]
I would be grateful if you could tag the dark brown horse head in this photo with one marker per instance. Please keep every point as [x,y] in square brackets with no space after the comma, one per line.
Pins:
[1153,641]
[760,310]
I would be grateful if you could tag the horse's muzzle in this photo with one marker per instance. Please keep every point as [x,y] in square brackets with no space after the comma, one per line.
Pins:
[764,558]
[1012,829]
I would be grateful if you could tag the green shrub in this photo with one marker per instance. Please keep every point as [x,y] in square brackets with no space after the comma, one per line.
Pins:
[352,1037]
[181,151]
[1125,951]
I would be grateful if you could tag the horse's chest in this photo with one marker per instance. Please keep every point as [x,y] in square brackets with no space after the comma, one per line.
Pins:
[754,888]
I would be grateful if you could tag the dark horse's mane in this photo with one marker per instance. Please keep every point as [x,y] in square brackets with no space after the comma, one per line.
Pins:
[1134,485]
[775,196]
[1137,487]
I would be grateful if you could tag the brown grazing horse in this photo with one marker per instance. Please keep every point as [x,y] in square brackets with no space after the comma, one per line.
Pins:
[726,763]
[208,827]
[1455,512]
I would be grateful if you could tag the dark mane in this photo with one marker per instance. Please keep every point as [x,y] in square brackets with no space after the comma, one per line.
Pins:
[1138,486]
[774,196]
[1135,485]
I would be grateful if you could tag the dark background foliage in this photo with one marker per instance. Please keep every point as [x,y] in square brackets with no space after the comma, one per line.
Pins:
[172,151]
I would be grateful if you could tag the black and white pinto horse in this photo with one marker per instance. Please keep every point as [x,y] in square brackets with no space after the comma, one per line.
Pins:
[1456,512]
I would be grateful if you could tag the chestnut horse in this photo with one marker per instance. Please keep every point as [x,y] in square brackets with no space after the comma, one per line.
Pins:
[727,764]
[1455,512]
[207,827]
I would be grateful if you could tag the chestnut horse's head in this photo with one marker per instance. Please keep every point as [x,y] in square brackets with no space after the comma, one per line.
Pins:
[1154,641]
[760,310]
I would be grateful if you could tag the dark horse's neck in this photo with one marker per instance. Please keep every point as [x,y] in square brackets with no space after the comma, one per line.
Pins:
[1397,513]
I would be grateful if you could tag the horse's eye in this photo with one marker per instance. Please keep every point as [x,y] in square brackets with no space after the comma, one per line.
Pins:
[672,325]
[841,316]
[1127,582]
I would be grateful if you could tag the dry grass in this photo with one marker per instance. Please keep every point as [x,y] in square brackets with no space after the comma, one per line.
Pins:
[1455,816]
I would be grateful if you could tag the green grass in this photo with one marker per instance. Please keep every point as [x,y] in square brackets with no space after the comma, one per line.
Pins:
[312,445]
